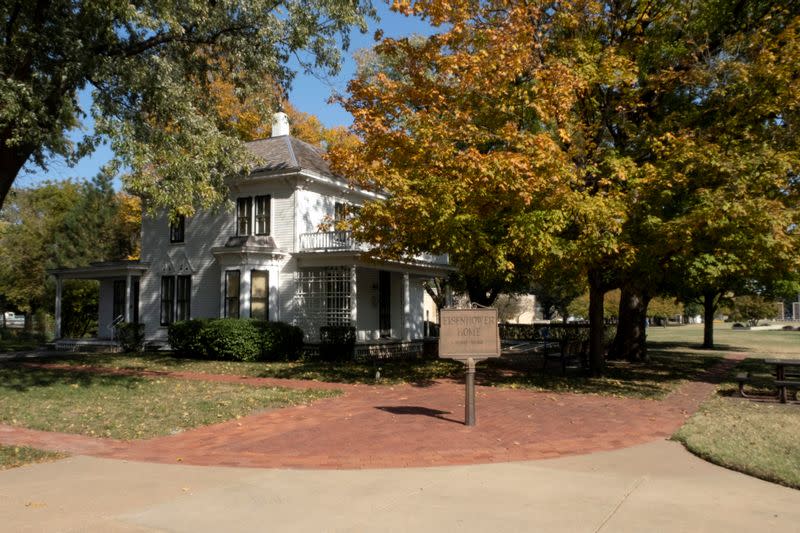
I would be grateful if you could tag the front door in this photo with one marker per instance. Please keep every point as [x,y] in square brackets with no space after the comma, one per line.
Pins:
[384,303]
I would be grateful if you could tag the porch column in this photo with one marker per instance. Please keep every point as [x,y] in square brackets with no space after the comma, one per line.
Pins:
[244,292]
[406,308]
[448,296]
[58,307]
[353,299]
[222,282]
[128,300]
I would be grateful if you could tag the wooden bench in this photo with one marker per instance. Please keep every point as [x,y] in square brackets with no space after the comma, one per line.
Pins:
[785,372]
[742,378]
[567,352]
[783,385]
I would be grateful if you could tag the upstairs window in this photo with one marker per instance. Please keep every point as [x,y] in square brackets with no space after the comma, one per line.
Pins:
[244,210]
[263,214]
[176,229]
[339,212]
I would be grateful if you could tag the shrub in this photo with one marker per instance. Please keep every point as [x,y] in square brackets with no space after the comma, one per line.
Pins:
[232,338]
[337,343]
[185,338]
[280,341]
[131,336]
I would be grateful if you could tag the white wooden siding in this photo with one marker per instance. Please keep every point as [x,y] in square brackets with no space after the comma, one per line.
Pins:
[298,206]
[367,301]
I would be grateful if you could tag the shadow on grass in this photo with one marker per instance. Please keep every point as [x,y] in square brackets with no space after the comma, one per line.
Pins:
[761,383]
[21,379]
[415,372]
[649,379]
[652,379]
[673,345]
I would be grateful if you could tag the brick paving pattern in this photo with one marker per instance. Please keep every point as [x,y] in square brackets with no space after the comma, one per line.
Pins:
[399,426]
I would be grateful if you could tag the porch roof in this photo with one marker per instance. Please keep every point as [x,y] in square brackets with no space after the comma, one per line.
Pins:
[364,260]
[102,270]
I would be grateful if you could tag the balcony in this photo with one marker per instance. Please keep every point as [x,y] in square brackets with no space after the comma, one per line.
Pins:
[337,241]
[325,241]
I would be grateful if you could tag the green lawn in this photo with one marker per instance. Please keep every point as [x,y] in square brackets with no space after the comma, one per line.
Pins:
[126,407]
[754,344]
[14,456]
[757,438]
[652,380]
[760,439]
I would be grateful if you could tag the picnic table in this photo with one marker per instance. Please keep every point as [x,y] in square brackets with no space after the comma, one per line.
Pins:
[780,375]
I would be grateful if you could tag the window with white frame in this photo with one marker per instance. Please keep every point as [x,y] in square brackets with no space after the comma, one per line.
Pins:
[323,296]
[253,217]
[244,209]
[177,229]
[176,299]
[263,214]
[232,282]
[259,294]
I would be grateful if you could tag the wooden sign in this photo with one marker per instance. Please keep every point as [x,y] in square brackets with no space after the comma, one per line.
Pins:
[469,334]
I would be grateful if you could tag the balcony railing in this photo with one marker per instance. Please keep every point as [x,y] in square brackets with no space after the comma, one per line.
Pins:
[329,240]
[343,240]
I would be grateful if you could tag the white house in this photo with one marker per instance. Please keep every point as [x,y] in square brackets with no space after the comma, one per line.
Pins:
[268,259]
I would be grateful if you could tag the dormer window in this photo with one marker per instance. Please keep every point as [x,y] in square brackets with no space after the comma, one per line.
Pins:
[246,216]
[244,209]
[176,229]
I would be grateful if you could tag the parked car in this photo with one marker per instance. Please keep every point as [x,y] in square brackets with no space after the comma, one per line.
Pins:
[10,319]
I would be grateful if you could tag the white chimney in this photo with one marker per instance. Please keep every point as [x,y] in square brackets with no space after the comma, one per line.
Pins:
[280,124]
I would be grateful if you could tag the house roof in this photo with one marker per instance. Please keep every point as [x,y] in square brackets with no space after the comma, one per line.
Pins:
[287,153]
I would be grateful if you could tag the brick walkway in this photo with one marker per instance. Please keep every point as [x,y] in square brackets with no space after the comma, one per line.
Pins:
[382,426]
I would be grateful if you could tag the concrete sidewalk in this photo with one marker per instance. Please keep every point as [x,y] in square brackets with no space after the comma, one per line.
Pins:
[652,487]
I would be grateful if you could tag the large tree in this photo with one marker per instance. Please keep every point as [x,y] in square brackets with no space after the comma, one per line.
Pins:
[541,134]
[62,224]
[151,66]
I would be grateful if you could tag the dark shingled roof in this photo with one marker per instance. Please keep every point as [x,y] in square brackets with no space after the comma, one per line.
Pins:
[287,153]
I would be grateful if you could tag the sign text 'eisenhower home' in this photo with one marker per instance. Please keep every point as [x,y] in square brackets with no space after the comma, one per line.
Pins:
[469,333]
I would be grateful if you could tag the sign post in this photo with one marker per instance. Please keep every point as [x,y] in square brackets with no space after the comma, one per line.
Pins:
[470,336]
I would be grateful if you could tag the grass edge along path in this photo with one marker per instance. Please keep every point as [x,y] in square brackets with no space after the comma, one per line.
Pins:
[130,407]
[757,438]
[16,456]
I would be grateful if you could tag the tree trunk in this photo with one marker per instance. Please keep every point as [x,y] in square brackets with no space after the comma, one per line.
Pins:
[630,341]
[709,307]
[11,162]
[596,324]
[481,294]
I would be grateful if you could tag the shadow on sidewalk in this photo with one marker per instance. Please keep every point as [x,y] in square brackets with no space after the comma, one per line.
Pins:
[418,411]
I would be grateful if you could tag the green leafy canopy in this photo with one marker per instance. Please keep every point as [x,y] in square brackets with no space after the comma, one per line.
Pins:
[150,65]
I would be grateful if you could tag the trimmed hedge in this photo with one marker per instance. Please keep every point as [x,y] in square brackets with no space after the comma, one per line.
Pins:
[232,338]
[337,343]
[235,339]
[281,341]
[131,336]
[185,338]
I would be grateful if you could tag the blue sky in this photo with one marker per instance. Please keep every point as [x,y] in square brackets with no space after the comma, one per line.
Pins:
[309,93]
